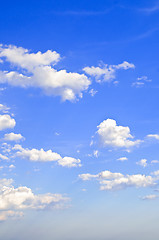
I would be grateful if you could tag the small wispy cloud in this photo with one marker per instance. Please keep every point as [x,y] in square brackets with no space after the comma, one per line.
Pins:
[150,197]
[82,12]
[140,81]
[142,163]
[150,10]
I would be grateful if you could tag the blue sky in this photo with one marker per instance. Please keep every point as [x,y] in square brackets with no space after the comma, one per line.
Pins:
[79,117]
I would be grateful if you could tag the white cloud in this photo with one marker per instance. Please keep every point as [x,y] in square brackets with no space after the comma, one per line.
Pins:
[20,198]
[150,197]
[92,92]
[5,182]
[96,153]
[115,136]
[115,181]
[6,122]
[41,155]
[154,161]
[141,81]
[4,108]
[3,157]
[138,84]
[155,136]
[156,173]
[142,162]
[40,73]
[70,162]
[36,155]
[144,78]
[13,137]
[87,176]
[107,73]
[122,159]
[57,133]
[23,58]
[11,166]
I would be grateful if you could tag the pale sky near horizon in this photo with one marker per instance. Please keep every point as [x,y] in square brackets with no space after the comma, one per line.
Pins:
[79,120]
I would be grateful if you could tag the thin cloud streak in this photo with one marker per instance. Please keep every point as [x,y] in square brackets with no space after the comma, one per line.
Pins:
[82,13]
[150,10]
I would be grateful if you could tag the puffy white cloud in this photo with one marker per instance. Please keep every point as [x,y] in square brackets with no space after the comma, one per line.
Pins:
[20,198]
[122,159]
[137,180]
[11,166]
[107,73]
[40,73]
[109,175]
[36,155]
[87,176]
[142,162]
[6,122]
[13,137]
[115,136]
[41,155]
[155,136]
[70,162]
[23,58]
[115,181]
[3,157]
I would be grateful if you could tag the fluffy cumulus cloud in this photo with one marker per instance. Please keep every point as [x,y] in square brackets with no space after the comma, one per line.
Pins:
[107,73]
[116,181]
[41,155]
[115,136]
[14,200]
[37,70]
[36,155]
[13,137]
[3,157]
[6,122]
[23,58]
[70,162]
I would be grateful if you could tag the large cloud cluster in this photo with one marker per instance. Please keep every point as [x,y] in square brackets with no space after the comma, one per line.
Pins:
[115,181]
[37,70]
[14,200]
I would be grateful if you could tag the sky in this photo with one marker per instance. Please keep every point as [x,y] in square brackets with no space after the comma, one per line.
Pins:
[79,120]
